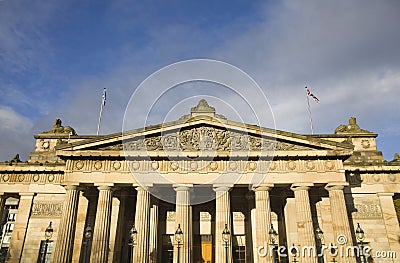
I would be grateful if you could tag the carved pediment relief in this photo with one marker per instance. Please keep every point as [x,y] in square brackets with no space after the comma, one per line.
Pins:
[204,138]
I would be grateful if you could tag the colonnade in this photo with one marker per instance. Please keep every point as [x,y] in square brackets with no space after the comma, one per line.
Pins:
[146,213]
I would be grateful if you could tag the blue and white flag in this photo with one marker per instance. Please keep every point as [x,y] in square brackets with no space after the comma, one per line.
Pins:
[103,98]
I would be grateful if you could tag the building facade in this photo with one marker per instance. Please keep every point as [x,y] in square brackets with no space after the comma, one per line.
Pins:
[276,196]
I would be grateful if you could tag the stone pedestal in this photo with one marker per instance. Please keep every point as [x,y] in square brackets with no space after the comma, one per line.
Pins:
[20,226]
[184,218]
[142,215]
[66,232]
[222,217]
[101,234]
[305,229]
[263,219]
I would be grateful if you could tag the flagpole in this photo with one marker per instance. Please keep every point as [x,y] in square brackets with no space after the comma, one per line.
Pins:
[309,112]
[101,111]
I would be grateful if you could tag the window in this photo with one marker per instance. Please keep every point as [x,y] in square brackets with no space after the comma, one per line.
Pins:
[202,248]
[167,248]
[45,250]
[239,249]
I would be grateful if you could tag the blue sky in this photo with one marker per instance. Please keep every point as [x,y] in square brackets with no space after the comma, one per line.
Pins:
[56,57]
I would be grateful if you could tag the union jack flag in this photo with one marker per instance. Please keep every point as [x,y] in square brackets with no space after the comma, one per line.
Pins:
[311,95]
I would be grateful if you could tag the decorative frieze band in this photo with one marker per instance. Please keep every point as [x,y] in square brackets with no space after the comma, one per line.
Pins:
[47,209]
[204,166]
[356,178]
[96,165]
[28,178]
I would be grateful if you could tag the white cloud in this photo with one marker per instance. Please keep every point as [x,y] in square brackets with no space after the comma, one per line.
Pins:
[345,51]
[16,134]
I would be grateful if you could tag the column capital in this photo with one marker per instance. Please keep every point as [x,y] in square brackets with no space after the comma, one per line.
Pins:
[264,187]
[141,188]
[222,187]
[182,187]
[72,187]
[106,187]
[301,186]
[336,186]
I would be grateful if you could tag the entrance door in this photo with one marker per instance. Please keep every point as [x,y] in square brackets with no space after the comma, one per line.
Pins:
[167,253]
[239,249]
[202,249]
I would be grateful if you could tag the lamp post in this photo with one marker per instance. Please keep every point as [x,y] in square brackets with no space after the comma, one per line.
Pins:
[48,233]
[320,237]
[87,235]
[293,251]
[132,240]
[332,252]
[272,238]
[178,240]
[360,240]
[226,236]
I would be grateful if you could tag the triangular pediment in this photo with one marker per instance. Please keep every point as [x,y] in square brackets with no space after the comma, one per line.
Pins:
[206,133]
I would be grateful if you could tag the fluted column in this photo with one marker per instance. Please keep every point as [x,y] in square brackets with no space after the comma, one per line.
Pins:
[142,215]
[222,217]
[20,227]
[101,234]
[305,229]
[2,203]
[120,235]
[263,221]
[390,219]
[183,217]
[66,232]
[153,234]
[340,218]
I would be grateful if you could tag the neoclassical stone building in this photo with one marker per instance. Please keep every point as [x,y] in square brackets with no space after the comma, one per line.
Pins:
[205,174]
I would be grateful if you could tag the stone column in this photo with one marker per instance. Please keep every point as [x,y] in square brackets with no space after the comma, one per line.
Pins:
[101,233]
[2,203]
[120,232]
[222,217]
[340,218]
[80,228]
[142,215]
[254,234]
[153,234]
[263,219]
[305,229]
[20,226]
[66,232]
[390,219]
[183,216]
[114,223]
